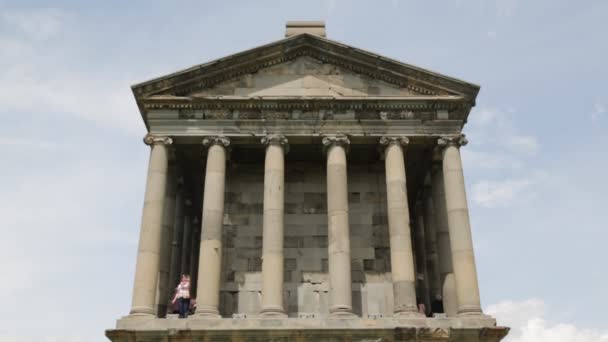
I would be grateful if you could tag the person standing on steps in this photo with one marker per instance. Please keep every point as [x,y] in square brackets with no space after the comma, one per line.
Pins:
[182,295]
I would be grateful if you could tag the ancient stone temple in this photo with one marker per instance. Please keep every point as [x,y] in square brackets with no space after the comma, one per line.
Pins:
[314,192]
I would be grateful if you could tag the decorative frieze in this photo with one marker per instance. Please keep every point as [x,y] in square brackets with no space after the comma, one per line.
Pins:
[400,107]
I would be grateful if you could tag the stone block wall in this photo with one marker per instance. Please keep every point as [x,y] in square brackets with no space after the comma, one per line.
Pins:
[306,289]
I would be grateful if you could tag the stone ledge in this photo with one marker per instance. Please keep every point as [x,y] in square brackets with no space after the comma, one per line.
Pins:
[193,323]
[488,334]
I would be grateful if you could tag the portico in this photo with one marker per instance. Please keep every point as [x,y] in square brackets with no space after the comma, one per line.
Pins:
[286,180]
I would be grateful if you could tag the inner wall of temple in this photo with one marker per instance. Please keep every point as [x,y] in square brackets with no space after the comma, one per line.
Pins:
[306,287]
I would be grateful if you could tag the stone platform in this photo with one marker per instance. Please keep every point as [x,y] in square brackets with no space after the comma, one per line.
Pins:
[473,329]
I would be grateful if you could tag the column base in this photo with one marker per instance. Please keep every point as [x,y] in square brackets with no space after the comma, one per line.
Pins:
[161,310]
[470,310]
[206,313]
[273,312]
[341,311]
[408,314]
[142,312]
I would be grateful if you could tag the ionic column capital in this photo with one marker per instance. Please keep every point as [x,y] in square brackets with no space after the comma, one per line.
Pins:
[276,139]
[151,140]
[454,140]
[401,140]
[335,140]
[216,140]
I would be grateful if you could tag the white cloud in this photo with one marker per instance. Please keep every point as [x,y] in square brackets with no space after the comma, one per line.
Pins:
[485,116]
[528,324]
[475,159]
[67,338]
[506,8]
[599,111]
[29,143]
[492,35]
[503,193]
[38,24]
[331,6]
[29,85]
[527,145]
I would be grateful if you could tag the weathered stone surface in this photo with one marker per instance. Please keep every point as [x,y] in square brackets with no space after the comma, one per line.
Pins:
[305,76]
[305,242]
[308,328]
[321,229]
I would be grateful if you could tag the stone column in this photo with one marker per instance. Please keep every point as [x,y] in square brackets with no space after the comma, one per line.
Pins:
[178,234]
[195,244]
[186,242]
[337,226]
[167,238]
[402,258]
[148,253]
[420,257]
[461,242]
[430,235]
[444,251]
[210,257]
[272,244]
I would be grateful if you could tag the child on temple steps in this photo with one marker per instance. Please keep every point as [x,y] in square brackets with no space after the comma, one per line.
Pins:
[182,294]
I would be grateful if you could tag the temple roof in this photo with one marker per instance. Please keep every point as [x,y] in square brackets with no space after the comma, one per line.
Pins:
[303,67]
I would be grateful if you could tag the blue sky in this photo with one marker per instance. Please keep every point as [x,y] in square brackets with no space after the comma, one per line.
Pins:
[73,163]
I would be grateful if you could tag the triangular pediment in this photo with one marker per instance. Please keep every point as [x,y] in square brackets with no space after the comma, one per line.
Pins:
[304,76]
[304,66]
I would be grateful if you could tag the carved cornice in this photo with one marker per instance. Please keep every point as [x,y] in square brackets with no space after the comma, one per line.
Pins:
[276,139]
[151,140]
[216,140]
[455,140]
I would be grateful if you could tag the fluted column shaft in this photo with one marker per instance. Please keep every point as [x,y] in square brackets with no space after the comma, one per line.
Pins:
[430,234]
[210,258]
[195,252]
[402,258]
[186,245]
[461,242]
[273,225]
[166,237]
[337,226]
[148,253]
[178,234]
[444,250]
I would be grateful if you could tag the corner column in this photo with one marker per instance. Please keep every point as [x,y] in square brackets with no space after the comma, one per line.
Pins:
[461,242]
[338,227]
[210,258]
[272,244]
[148,252]
[402,257]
